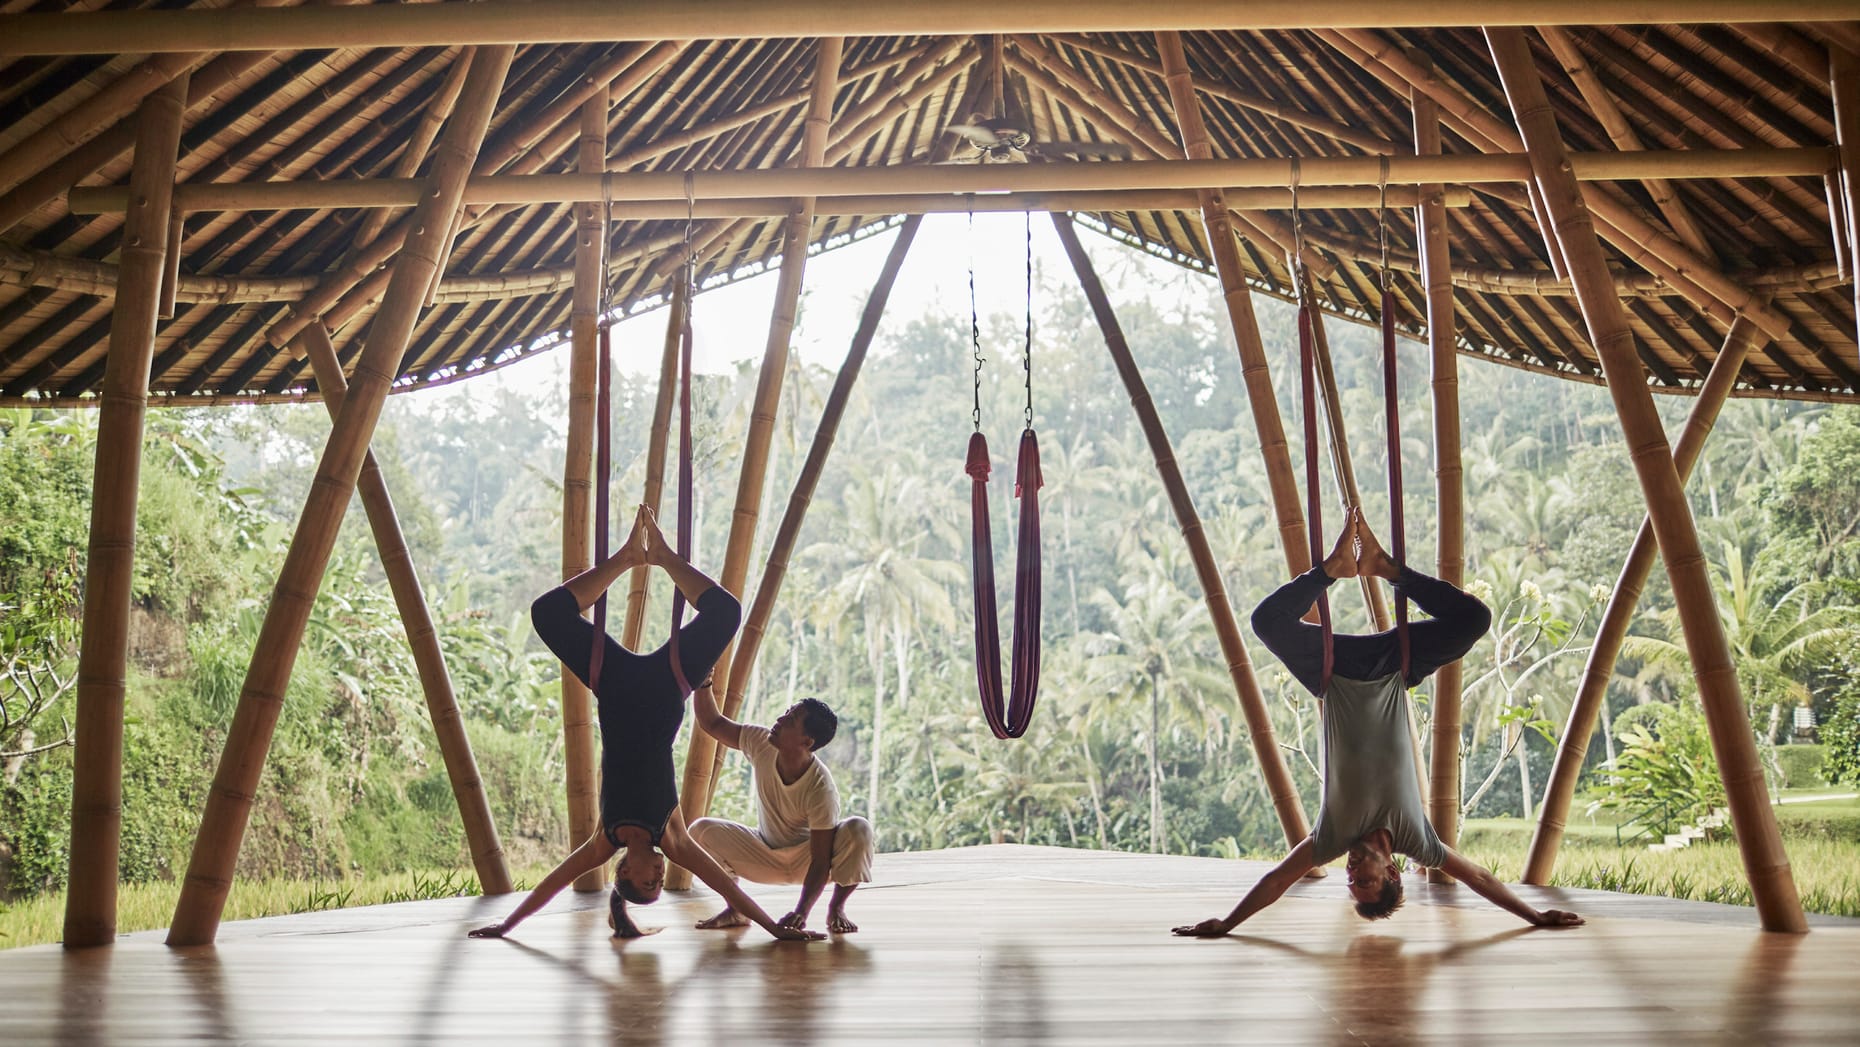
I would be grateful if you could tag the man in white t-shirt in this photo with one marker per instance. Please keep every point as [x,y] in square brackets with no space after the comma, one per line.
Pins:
[799,836]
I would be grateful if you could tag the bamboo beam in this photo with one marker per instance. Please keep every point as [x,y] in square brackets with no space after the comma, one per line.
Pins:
[1239,299]
[1844,84]
[587,21]
[582,761]
[1609,115]
[103,651]
[1585,711]
[651,186]
[1278,780]
[55,178]
[487,851]
[71,128]
[229,802]
[1772,885]
[1696,278]
[1430,222]
[700,757]
[419,140]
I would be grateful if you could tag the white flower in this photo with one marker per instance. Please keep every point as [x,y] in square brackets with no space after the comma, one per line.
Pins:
[1530,592]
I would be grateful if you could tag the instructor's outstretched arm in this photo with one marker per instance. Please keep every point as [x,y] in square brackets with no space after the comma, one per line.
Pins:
[681,848]
[1264,893]
[1491,888]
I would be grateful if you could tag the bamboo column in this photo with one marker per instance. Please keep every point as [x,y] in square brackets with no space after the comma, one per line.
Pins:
[656,442]
[1844,83]
[1600,667]
[1772,885]
[1449,490]
[584,816]
[1239,298]
[1278,779]
[103,652]
[487,851]
[700,758]
[229,802]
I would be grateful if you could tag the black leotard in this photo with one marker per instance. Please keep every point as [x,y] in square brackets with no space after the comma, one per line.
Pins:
[639,704]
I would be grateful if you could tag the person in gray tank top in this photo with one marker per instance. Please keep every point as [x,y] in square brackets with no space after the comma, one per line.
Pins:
[1371,808]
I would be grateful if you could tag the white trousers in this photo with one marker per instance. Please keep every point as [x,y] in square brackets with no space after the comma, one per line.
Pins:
[743,852]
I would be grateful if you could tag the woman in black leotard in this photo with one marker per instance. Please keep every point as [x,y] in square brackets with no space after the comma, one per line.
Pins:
[640,706]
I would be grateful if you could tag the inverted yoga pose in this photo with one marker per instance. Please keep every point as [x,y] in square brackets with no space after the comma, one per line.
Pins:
[640,703]
[1371,808]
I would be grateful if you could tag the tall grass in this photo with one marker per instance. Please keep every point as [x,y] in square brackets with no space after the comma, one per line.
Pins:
[147,906]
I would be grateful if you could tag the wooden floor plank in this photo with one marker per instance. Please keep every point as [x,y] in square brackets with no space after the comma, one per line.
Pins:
[990,945]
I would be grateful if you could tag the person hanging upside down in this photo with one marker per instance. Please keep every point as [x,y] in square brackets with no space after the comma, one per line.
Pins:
[640,706]
[799,836]
[1371,807]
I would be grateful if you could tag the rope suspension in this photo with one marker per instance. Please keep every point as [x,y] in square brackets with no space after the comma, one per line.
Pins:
[1008,715]
[1308,319]
[1398,538]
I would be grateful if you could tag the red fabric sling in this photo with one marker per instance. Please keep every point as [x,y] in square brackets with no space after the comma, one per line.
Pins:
[1009,716]
[603,454]
[1314,503]
[1398,538]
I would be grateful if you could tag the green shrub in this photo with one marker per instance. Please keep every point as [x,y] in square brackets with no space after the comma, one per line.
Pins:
[1801,765]
[1820,821]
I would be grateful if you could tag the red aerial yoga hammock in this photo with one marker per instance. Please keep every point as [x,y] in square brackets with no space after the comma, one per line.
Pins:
[1308,319]
[603,406]
[1008,716]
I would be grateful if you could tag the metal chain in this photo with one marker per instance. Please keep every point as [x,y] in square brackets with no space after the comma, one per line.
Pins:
[1298,239]
[690,266]
[975,324]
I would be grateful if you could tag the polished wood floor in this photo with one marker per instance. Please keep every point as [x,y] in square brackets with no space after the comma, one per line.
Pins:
[979,945]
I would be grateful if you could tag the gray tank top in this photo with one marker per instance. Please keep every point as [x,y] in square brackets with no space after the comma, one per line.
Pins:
[1369,773]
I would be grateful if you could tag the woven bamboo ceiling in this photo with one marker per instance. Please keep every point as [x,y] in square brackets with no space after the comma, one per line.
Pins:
[319,119]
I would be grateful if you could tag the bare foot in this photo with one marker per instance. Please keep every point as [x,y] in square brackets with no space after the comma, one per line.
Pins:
[1341,563]
[1373,561]
[839,924]
[725,919]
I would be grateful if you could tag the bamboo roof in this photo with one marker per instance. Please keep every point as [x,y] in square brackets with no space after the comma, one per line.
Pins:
[730,105]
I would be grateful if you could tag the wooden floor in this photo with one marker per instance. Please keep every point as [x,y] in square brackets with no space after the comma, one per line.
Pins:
[979,945]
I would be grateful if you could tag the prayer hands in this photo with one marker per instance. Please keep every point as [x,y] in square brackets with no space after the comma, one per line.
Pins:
[637,549]
[1556,918]
[646,523]
[1212,928]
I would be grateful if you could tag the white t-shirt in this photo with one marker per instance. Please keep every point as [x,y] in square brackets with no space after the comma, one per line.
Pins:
[789,811]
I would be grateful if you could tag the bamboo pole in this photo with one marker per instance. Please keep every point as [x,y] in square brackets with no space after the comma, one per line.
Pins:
[1844,84]
[588,21]
[700,757]
[582,762]
[1573,749]
[171,265]
[419,140]
[656,445]
[1449,489]
[1239,298]
[229,802]
[813,181]
[487,851]
[103,651]
[1772,884]
[1278,780]
[1609,115]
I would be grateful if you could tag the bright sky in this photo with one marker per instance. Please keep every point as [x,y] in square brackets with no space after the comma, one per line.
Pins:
[731,323]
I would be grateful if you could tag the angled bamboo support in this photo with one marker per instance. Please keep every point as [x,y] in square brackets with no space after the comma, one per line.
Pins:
[71,128]
[487,851]
[1239,298]
[701,756]
[1430,222]
[656,442]
[419,140]
[1844,82]
[229,801]
[1584,712]
[1278,779]
[582,762]
[109,567]
[1772,884]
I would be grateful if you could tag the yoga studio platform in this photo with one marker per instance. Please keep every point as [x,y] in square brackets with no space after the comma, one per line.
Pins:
[1000,944]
